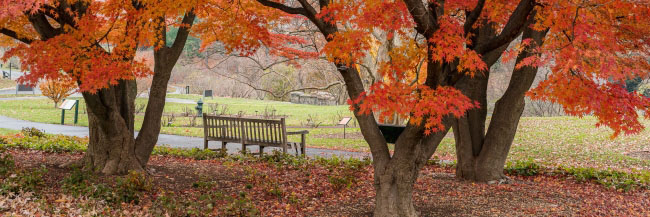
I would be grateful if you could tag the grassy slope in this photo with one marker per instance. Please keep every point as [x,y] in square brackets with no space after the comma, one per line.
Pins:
[557,141]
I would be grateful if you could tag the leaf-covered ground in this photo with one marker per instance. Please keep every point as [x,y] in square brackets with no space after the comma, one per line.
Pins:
[274,186]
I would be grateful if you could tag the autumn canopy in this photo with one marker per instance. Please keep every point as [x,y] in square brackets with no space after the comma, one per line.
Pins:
[435,73]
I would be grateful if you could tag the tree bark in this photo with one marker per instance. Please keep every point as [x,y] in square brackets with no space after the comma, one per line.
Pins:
[165,59]
[481,155]
[111,147]
[395,178]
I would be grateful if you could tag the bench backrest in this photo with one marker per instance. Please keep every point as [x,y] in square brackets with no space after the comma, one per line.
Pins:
[245,130]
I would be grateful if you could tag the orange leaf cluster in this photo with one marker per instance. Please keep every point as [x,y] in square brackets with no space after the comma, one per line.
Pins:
[418,102]
[595,46]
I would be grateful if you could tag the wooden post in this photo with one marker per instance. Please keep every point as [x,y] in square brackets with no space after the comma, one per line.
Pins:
[205,132]
[284,135]
[242,132]
[303,143]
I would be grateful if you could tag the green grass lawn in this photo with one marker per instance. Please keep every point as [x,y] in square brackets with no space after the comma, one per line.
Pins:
[297,114]
[556,141]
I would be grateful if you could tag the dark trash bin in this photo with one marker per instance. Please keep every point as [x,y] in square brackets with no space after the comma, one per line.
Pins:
[391,132]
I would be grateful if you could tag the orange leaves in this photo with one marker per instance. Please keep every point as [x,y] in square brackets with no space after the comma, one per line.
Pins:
[94,45]
[405,63]
[610,103]
[244,27]
[595,46]
[16,8]
[92,67]
[386,15]
[347,47]
[420,103]
[449,44]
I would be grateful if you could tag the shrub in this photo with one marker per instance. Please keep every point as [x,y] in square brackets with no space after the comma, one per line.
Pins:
[32,132]
[523,168]
[49,143]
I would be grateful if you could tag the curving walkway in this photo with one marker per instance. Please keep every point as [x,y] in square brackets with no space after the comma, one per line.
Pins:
[164,139]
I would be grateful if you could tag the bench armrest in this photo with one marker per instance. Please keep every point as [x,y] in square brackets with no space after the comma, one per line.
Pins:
[303,132]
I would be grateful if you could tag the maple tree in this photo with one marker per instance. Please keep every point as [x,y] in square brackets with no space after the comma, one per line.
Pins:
[57,90]
[591,47]
[93,45]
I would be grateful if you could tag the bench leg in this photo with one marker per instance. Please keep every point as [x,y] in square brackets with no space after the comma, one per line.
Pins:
[303,144]
[261,151]
[223,145]
[295,147]
[205,144]
[243,148]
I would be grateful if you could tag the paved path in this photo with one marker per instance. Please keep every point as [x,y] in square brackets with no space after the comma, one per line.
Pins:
[164,139]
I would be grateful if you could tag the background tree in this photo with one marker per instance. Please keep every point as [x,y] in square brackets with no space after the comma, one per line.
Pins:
[57,90]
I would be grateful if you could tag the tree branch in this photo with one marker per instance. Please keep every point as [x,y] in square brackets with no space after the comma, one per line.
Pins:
[473,16]
[14,35]
[426,22]
[184,31]
[513,28]
[282,7]
[42,26]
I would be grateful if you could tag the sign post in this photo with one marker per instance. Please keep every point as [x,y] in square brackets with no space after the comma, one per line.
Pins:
[344,122]
[67,105]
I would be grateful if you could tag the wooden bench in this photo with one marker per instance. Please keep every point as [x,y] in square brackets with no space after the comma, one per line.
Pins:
[249,131]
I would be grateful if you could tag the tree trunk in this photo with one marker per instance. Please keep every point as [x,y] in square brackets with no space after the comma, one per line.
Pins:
[395,191]
[481,155]
[394,178]
[165,59]
[111,146]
